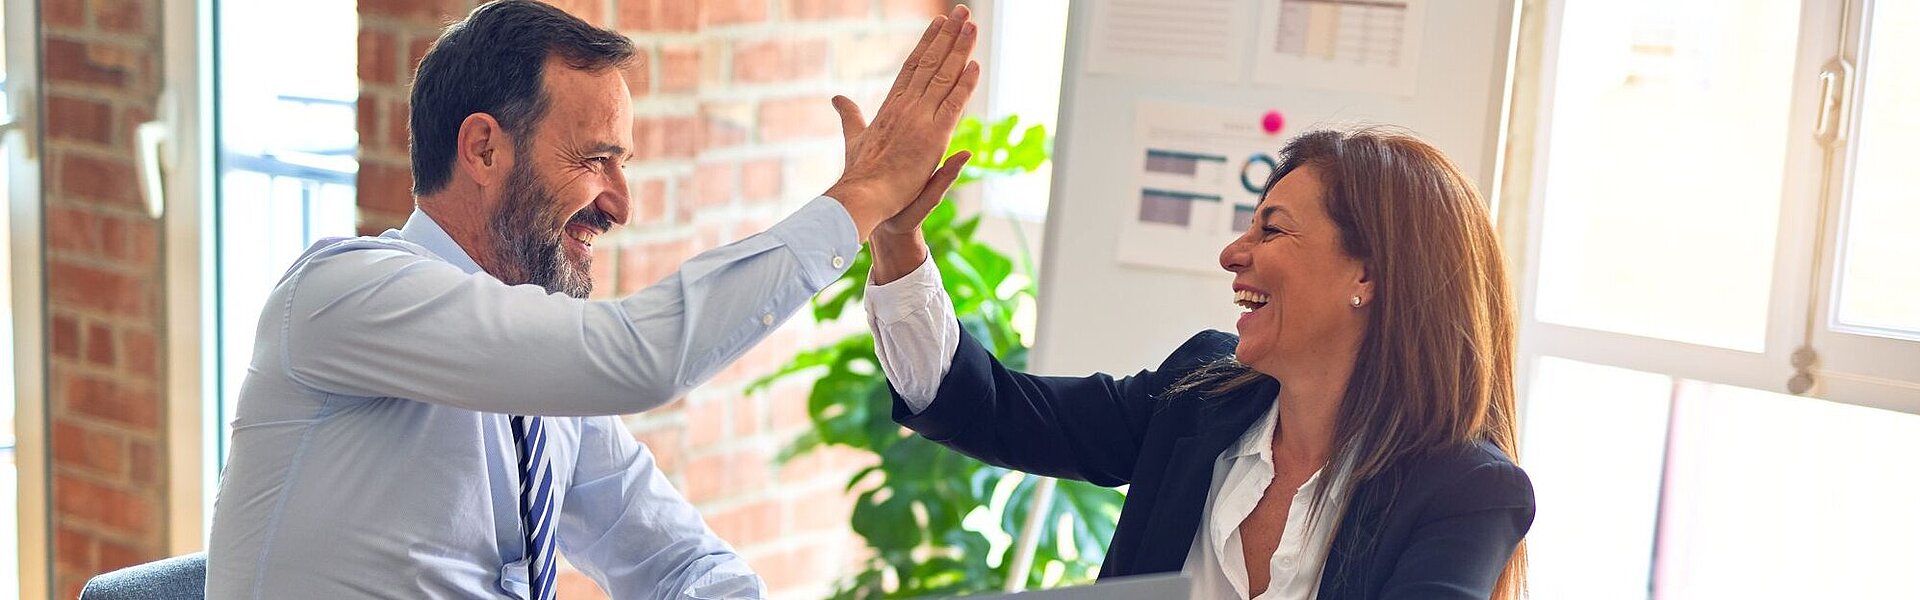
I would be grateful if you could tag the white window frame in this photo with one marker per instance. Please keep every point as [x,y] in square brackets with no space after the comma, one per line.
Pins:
[1851,368]
[186,114]
[1850,364]
[35,570]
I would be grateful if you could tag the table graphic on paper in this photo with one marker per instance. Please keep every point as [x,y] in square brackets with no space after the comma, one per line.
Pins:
[1359,45]
[1198,173]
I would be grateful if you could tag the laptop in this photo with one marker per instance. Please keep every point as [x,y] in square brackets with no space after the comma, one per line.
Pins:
[1164,586]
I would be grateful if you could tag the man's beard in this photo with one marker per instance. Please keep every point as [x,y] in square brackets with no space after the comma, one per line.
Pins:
[529,249]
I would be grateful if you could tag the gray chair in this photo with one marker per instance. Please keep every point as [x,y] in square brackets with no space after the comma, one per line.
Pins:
[182,577]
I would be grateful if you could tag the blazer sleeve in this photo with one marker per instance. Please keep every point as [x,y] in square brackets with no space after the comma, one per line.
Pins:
[1464,536]
[1086,428]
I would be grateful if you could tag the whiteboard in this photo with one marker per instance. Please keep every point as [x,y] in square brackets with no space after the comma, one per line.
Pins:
[1098,313]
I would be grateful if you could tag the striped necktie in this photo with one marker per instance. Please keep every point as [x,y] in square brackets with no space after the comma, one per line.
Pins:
[536,503]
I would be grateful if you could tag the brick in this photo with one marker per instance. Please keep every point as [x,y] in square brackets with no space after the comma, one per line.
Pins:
[760,179]
[749,524]
[794,567]
[72,549]
[109,401]
[65,334]
[378,62]
[399,128]
[674,136]
[819,10]
[676,15]
[914,9]
[416,50]
[87,287]
[635,15]
[666,445]
[679,69]
[104,506]
[120,16]
[713,185]
[79,120]
[114,556]
[639,73]
[366,122]
[113,182]
[100,345]
[64,13]
[144,464]
[132,241]
[419,11]
[75,446]
[645,264]
[68,61]
[706,424]
[139,353]
[591,11]
[746,410]
[726,124]
[730,12]
[779,60]
[785,119]
[73,230]
[827,508]
[858,56]
[787,405]
[727,474]
[385,188]
[649,202]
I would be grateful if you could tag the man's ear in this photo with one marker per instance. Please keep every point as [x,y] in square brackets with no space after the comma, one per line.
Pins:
[482,150]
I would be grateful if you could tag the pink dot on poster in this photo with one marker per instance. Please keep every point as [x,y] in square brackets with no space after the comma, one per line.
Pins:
[1272,122]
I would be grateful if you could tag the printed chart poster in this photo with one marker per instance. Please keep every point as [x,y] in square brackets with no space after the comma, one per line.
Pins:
[1199,171]
[1370,46]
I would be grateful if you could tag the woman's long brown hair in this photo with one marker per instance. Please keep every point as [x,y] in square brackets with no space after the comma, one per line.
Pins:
[1435,367]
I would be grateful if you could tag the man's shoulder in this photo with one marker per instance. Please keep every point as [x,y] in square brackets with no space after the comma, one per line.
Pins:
[330,251]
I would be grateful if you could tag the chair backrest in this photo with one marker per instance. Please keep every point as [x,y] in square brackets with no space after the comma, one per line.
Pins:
[182,577]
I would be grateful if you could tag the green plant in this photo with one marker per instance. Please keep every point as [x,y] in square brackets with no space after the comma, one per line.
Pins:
[936,521]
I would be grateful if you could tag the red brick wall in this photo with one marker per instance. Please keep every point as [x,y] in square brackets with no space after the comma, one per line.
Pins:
[102,67]
[732,131]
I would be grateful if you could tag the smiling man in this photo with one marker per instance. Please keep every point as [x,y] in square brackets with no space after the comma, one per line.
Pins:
[429,412]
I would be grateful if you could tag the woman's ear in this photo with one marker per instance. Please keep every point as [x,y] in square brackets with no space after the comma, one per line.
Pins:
[1363,286]
[482,150]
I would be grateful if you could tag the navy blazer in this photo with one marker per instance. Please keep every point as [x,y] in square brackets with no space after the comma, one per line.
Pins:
[1438,525]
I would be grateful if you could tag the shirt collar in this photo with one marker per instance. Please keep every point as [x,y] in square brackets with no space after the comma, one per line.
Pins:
[421,229]
[1258,440]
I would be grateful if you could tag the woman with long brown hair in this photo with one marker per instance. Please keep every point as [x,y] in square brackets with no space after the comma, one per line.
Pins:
[1356,440]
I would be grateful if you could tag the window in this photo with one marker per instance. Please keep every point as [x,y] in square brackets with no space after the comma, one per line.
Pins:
[1028,50]
[23,476]
[1716,301]
[286,159]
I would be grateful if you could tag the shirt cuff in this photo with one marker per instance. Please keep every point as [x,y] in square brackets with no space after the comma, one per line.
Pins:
[823,236]
[917,291]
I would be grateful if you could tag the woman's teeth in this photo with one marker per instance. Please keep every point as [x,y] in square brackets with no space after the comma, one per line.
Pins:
[1250,300]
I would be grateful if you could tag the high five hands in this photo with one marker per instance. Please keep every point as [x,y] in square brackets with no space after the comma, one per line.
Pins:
[886,186]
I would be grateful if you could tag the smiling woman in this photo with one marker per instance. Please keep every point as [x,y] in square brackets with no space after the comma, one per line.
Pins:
[1355,440]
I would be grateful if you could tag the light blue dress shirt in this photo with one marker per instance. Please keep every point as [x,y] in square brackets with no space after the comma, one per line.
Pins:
[372,455]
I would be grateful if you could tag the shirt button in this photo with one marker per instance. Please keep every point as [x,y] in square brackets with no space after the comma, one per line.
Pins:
[767,319]
[839,262]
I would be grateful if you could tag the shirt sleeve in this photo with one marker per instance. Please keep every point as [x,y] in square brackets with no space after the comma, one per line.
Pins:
[915,333]
[625,526]
[385,322]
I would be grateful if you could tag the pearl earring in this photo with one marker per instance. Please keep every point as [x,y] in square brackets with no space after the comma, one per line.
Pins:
[1355,302]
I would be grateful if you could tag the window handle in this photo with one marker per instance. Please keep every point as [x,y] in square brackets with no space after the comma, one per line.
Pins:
[1835,78]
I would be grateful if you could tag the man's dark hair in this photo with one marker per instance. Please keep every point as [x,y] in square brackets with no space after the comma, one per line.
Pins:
[492,62]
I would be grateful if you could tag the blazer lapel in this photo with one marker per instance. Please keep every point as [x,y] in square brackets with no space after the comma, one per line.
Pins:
[1182,495]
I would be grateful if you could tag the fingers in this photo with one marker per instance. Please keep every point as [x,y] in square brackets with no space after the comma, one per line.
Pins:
[954,62]
[913,59]
[936,187]
[852,123]
[936,52]
[955,103]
